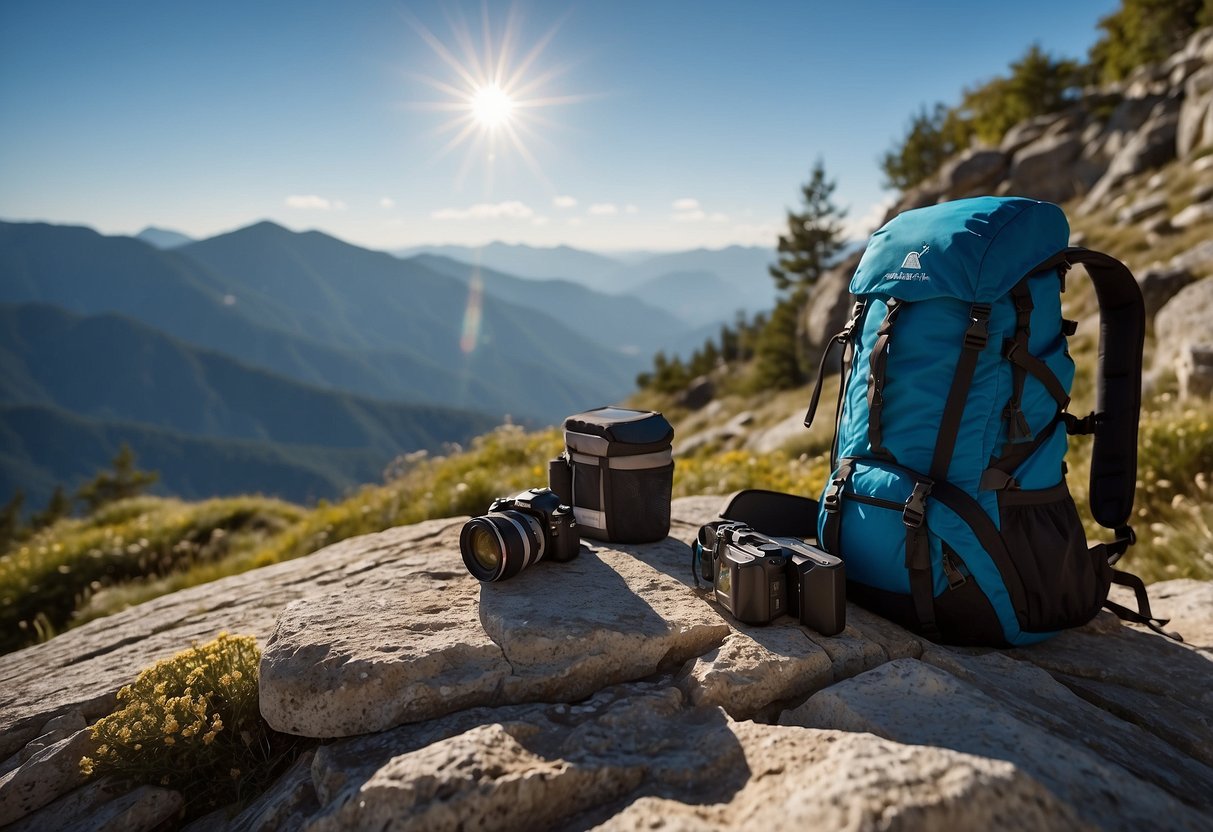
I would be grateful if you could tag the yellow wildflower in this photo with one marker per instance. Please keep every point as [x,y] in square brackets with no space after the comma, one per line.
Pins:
[86,766]
[138,746]
[208,738]
[169,741]
[170,724]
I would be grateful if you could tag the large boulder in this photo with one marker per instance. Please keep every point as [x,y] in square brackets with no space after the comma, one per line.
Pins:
[973,172]
[1160,283]
[611,692]
[1044,168]
[1184,338]
[1152,145]
[1195,128]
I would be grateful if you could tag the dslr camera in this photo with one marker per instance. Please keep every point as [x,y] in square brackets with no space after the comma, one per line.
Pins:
[518,532]
[759,578]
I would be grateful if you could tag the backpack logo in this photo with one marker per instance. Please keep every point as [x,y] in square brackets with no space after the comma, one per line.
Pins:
[913,259]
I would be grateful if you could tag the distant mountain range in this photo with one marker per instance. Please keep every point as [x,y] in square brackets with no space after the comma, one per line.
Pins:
[301,364]
[163,237]
[268,349]
[728,279]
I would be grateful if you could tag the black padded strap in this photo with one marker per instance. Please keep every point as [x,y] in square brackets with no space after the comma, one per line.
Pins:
[1143,615]
[975,339]
[1122,332]
[876,379]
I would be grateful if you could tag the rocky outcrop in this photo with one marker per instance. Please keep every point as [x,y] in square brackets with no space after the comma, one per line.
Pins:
[609,692]
[1103,138]
[1184,338]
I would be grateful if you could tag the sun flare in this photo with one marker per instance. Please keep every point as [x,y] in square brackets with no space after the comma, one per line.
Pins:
[491,106]
[495,92]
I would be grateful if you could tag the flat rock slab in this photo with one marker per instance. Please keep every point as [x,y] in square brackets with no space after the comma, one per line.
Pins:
[411,635]
[912,702]
[639,756]
[81,670]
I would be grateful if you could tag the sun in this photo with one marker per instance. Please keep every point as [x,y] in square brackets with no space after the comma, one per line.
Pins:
[491,106]
[495,93]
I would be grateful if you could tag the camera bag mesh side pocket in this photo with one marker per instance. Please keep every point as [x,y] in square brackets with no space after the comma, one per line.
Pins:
[617,472]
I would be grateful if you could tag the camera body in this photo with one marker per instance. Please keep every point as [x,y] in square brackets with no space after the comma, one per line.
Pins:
[560,540]
[759,578]
[517,532]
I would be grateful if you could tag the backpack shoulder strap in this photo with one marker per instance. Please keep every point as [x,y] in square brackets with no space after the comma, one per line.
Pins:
[1122,333]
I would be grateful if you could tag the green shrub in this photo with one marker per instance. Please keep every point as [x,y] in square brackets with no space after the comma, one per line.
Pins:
[48,578]
[192,723]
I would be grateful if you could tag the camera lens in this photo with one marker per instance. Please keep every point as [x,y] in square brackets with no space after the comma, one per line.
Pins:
[499,545]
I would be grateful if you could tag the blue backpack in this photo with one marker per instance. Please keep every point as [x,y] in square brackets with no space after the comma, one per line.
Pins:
[948,500]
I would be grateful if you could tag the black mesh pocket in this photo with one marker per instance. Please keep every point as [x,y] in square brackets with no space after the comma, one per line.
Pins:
[1064,583]
[638,503]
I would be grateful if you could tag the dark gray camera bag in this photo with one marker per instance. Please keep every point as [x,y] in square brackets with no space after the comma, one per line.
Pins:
[617,472]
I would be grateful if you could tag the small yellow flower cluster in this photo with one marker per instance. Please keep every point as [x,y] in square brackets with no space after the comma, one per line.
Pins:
[175,715]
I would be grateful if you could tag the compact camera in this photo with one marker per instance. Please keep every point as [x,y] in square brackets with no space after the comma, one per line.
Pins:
[759,578]
[518,532]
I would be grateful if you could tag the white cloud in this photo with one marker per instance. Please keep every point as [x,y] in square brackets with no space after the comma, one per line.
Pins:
[757,234]
[696,215]
[630,209]
[861,227]
[314,203]
[604,209]
[387,202]
[573,221]
[511,210]
[540,220]
[565,201]
[686,205]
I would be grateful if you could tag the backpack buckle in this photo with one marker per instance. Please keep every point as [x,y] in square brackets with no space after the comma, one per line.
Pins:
[1085,425]
[915,511]
[978,333]
[832,499]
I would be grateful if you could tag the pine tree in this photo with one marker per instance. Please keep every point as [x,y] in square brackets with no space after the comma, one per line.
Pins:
[777,364]
[11,527]
[125,480]
[814,236]
[60,505]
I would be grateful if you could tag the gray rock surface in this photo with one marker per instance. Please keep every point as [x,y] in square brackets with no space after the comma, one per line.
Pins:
[332,668]
[1197,212]
[144,809]
[608,693]
[1150,146]
[1159,284]
[1184,323]
[1044,169]
[912,702]
[1194,372]
[52,772]
[1196,115]
[974,171]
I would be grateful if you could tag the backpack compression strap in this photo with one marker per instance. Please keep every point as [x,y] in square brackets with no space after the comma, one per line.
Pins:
[1122,333]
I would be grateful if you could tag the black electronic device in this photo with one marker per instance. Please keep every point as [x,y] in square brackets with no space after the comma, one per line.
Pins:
[758,578]
[517,532]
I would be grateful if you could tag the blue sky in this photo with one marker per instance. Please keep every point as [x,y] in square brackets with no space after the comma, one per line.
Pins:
[670,125]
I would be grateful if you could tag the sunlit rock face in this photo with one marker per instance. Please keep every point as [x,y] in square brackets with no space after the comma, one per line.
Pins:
[611,692]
